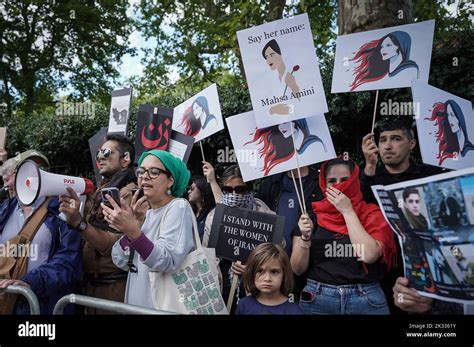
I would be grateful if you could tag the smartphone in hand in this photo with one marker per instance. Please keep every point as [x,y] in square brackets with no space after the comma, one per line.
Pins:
[113,192]
[140,193]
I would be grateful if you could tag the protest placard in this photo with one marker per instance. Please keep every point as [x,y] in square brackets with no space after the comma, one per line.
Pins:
[445,124]
[383,58]
[199,116]
[434,220]
[95,143]
[282,71]
[120,110]
[153,129]
[268,151]
[235,232]
[181,145]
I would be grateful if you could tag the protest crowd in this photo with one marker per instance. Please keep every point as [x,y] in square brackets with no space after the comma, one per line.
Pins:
[311,238]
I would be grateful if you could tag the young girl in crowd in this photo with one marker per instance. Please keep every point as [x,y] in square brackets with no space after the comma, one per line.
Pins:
[233,192]
[347,281]
[269,280]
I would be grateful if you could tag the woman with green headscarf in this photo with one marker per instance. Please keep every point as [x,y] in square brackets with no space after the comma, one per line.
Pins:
[159,245]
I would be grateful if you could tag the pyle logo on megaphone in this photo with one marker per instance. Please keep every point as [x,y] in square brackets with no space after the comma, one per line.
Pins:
[31,183]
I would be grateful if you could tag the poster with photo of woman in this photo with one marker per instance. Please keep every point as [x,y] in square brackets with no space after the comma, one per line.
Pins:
[199,116]
[270,150]
[383,58]
[445,124]
[282,71]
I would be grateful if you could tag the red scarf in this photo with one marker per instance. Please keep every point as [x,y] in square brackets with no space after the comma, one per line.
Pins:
[369,215]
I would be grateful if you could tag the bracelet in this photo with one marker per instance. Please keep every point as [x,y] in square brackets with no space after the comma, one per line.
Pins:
[301,237]
[303,244]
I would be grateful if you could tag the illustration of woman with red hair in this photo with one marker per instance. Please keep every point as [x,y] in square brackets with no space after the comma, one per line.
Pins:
[387,56]
[452,134]
[197,117]
[278,143]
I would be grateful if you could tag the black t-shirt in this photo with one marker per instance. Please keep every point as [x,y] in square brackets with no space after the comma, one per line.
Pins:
[332,260]
[383,177]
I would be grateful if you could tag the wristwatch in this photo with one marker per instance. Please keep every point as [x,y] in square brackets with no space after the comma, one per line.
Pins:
[82,226]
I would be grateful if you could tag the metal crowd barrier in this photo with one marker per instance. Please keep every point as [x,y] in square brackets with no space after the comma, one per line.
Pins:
[28,294]
[102,304]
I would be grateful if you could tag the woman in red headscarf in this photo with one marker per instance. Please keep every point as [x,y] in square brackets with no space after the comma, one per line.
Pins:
[344,255]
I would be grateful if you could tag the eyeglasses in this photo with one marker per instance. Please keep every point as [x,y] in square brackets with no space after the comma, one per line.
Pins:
[153,172]
[104,153]
[237,189]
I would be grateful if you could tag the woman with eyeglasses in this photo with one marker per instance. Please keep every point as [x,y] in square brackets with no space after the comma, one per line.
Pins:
[164,239]
[235,193]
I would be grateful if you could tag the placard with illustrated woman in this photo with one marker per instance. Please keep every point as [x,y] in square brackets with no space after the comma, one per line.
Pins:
[384,58]
[270,150]
[445,126]
[282,71]
[199,116]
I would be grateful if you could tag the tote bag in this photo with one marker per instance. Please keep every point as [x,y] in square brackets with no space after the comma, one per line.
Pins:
[194,287]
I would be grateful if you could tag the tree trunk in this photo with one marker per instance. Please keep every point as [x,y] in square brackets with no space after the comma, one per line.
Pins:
[363,15]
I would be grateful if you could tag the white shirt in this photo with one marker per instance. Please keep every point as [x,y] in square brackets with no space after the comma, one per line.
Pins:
[171,245]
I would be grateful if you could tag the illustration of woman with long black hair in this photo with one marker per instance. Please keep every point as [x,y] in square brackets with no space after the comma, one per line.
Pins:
[197,117]
[278,143]
[452,134]
[387,56]
[271,52]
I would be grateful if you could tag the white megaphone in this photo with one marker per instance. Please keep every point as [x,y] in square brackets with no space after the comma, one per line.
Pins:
[32,183]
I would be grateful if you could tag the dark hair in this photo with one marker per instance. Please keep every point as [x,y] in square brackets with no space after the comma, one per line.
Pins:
[263,253]
[408,191]
[338,161]
[273,45]
[124,144]
[276,147]
[231,172]
[397,125]
[208,202]
[371,66]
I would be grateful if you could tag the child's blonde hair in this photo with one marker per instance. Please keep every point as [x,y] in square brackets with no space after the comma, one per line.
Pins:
[259,256]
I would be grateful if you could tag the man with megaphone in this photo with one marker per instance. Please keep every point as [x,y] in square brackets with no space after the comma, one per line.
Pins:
[39,250]
[115,161]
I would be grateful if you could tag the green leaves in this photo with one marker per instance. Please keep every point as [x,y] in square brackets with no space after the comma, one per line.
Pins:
[59,43]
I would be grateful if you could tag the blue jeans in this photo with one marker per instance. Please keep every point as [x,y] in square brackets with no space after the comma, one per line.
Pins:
[321,298]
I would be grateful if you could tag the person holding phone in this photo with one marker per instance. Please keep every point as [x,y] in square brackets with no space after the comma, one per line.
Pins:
[162,242]
[115,160]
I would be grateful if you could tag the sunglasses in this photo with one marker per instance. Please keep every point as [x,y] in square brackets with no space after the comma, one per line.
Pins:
[104,153]
[153,172]
[237,189]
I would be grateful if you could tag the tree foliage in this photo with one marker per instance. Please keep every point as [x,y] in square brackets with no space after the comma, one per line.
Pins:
[198,40]
[50,45]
